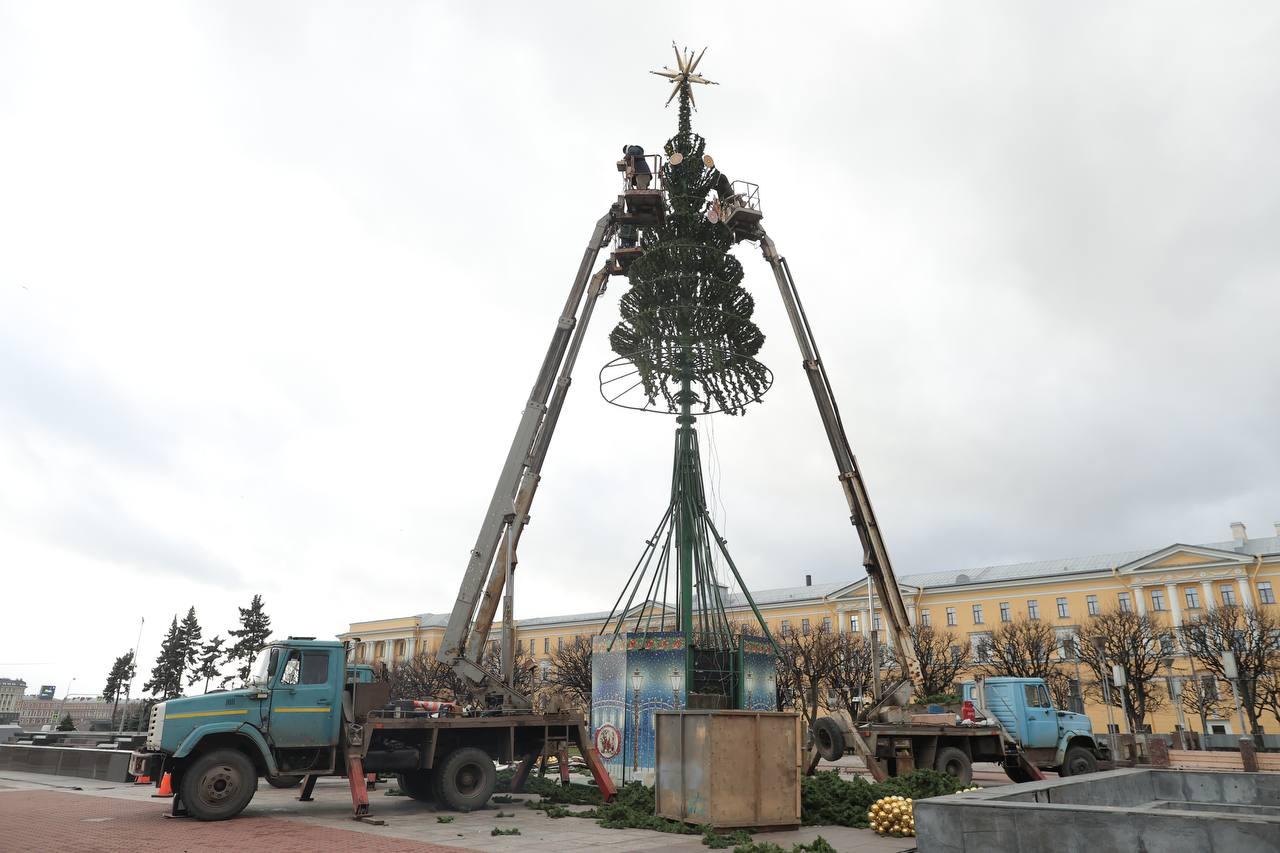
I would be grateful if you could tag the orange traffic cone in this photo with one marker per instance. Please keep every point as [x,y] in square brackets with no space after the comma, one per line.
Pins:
[142,780]
[166,786]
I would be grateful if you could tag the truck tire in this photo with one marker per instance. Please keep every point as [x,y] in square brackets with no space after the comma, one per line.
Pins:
[284,781]
[828,738]
[219,784]
[953,761]
[416,784]
[464,781]
[1077,761]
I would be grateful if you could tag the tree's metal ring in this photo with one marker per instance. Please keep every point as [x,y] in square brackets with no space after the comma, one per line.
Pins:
[620,384]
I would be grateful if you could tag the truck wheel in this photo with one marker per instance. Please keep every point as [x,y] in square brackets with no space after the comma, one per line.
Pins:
[219,784]
[465,779]
[954,762]
[1078,760]
[284,781]
[828,738]
[416,784]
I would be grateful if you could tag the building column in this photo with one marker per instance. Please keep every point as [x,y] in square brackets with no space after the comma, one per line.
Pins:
[1206,589]
[1140,596]
[911,614]
[408,649]
[1175,606]
[865,617]
[1246,597]
[841,617]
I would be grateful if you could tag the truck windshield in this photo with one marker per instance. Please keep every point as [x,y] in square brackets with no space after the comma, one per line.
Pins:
[264,667]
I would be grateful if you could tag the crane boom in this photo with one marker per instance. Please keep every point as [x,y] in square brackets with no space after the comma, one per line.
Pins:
[875,557]
[508,507]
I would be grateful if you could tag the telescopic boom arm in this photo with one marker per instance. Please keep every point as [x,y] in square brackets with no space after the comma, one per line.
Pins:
[875,557]
[463,644]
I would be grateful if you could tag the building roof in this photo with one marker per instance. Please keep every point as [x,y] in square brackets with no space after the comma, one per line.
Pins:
[1035,569]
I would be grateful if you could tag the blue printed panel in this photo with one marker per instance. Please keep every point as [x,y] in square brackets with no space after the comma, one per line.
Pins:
[759,681]
[643,673]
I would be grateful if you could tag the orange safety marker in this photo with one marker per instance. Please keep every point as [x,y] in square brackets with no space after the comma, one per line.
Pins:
[142,780]
[166,786]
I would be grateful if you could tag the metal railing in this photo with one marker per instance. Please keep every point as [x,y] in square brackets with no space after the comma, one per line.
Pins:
[634,176]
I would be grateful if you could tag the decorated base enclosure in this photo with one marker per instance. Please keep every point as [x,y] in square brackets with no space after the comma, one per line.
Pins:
[646,673]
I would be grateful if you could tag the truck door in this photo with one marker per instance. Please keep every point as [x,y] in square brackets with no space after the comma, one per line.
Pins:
[302,703]
[1042,719]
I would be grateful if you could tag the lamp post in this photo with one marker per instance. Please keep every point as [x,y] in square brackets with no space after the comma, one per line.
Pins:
[1232,673]
[772,682]
[636,680]
[63,706]
[675,690]
[1175,695]
[1100,645]
[751,693]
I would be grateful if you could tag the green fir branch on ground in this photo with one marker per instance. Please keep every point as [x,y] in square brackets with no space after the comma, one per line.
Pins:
[515,830]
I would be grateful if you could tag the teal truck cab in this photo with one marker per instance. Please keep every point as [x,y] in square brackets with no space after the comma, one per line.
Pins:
[306,713]
[1051,739]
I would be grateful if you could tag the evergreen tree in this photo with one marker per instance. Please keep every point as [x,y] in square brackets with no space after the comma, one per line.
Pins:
[250,638]
[211,654]
[166,676]
[67,724]
[121,674]
[190,633]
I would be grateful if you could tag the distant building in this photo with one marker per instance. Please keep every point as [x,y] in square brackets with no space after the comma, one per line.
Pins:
[1172,583]
[11,691]
[35,713]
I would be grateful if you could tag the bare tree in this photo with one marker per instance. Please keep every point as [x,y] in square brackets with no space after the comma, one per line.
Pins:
[849,680]
[1269,692]
[941,657]
[1248,632]
[1201,696]
[805,664]
[1023,648]
[1137,643]
[422,677]
[571,671]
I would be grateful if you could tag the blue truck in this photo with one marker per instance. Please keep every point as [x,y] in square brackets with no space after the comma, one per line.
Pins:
[305,713]
[1016,726]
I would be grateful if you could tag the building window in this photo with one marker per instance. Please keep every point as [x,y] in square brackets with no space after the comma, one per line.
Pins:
[1227,594]
[1125,605]
[1157,599]
[1265,595]
[875,622]
[977,614]
[1208,687]
[1066,643]
[1091,602]
[546,645]
[804,626]
[1062,608]
[786,627]
[559,644]
[1004,611]
[924,617]
[1166,644]
[826,625]
[981,645]
[951,616]
[853,624]
[1033,609]
[1193,598]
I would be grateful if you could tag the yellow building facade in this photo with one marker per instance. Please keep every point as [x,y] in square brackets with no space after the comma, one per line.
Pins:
[1174,583]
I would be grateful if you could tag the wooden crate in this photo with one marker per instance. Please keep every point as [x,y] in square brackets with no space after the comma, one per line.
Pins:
[728,768]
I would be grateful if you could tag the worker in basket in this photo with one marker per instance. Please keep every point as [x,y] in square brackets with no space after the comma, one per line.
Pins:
[638,172]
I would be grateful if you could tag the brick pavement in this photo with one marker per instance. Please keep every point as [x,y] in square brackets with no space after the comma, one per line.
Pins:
[62,820]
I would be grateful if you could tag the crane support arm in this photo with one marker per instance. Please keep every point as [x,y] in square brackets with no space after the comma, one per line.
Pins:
[530,434]
[875,557]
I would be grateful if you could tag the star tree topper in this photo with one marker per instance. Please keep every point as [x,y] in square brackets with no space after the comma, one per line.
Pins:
[687,66]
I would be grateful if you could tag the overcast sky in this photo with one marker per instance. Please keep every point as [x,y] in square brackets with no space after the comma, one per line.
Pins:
[275,279]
